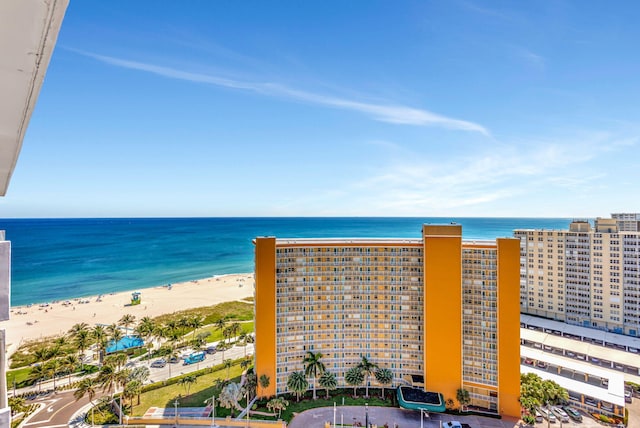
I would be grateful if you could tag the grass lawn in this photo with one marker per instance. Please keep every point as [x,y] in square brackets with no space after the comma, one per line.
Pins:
[20,377]
[336,396]
[201,390]
[215,334]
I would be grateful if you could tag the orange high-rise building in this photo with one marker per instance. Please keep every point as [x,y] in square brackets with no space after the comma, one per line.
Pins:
[439,312]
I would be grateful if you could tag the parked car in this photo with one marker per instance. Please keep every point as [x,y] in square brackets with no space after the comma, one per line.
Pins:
[547,414]
[541,364]
[573,413]
[538,416]
[560,414]
[628,394]
[452,424]
[528,361]
[211,349]
[158,364]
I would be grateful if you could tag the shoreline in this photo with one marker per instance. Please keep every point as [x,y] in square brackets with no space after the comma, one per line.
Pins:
[31,322]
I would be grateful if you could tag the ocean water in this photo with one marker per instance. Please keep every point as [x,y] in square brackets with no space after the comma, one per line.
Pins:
[55,259]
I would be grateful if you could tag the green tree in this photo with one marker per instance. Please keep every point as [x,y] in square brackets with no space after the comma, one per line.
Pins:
[354,377]
[250,384]
[227,365]
[313,367]
[37,373]
[463,397]
[297,383]
[328,381]
[384,376]
[17,405]
[82,340]
[277,404]
[264,382]
[87,387]
[69,364]
[126,321]
[229,397]
[53,367]
[367,368]
[101,337]
[187,381]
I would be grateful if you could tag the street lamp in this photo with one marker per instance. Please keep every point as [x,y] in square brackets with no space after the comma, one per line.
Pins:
[213,411]
[422,414]
[175,404]
[334,414]
[366,415]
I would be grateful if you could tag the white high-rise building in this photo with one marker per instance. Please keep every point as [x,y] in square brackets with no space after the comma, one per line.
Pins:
[29,31]
[587,276]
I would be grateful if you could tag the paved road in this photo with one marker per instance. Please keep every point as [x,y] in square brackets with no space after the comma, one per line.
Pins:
[316,418]
[57,409]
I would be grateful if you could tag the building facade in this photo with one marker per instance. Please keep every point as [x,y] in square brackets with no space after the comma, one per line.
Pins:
[587,276]
[435,308]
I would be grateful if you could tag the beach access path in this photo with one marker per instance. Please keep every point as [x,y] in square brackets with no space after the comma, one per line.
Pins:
[39,321]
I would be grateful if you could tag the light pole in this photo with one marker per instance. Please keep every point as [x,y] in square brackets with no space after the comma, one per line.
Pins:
[175,404]
[422,413]
[366,415]
[213,412]
[334,414]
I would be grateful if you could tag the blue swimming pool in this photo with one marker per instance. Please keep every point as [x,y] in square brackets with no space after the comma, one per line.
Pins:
[125,343]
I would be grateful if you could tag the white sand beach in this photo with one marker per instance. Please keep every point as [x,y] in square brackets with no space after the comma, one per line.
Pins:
[28,323]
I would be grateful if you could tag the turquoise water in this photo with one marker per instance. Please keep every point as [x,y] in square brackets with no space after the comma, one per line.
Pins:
[56,259]
[125,343]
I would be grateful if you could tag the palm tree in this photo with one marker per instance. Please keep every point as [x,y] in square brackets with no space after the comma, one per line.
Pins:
[17,405]
[126,321]
[384,376]
[82,326]
[195,322]
[69,364]
[81,339]
[313,367]
[249,339]
[463,397]
[41,354]
[328,381]
[37,373]
[297,383]
[236,328]
[229,397]
[227,365]
[227,333]
[354,377]
[131,389]
[277,404]
[100,335]
[250,384]
[222,346]
[187,381]
[87,387]
[243,338]
[53,367]
[367,368]
[245,363]
[221,324]
[264,381]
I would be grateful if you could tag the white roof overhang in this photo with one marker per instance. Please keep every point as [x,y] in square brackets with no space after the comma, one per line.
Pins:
[28,33]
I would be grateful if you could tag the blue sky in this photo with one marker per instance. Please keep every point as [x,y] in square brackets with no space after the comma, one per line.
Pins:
[336,108]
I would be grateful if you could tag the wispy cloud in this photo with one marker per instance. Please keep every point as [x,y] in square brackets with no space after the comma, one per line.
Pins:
[390,113]
[481,181]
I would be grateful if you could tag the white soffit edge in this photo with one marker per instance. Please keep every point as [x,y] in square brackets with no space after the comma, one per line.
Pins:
[28,33]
